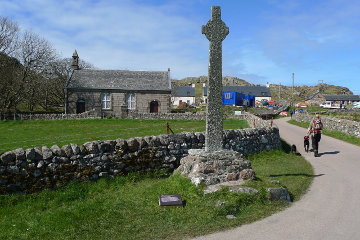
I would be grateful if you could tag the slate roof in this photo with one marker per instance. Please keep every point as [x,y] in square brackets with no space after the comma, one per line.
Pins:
[183,91]
[342,97]
[312,95]
[118,79]
[257,91]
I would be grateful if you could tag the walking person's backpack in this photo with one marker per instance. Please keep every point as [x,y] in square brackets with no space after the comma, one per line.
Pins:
[317,126]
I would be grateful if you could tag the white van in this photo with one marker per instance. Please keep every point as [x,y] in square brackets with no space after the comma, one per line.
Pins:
[329,104]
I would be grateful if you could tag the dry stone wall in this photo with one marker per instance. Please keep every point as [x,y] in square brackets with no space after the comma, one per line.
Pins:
[342,125]
[49,116]
[169,116]
[250,118]
[30,170]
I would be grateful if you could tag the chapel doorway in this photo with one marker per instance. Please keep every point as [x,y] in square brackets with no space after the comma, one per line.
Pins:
[154,107]
[80,106]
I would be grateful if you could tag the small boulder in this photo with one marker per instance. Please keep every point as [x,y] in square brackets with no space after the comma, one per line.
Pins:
[38,154]
[247,174]
[92,147]
[20,154]
[232,177]
[133,144]
[58,151]
[40,164]
[121,145]
[103,174]
[75,148]
[105,147]
[47,153]
[247,190]
[8,157]
[142,143]
[83,150]
[155,142]
[67,150]
[279,194]
[30,154]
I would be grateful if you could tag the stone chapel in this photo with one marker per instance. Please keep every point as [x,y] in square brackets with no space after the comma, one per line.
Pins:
[111,92]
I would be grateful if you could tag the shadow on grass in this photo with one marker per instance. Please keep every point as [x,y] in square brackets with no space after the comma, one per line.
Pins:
[296,174]
[288,148]
[285,146]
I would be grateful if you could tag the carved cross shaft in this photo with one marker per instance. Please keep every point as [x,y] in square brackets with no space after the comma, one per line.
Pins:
[215,31]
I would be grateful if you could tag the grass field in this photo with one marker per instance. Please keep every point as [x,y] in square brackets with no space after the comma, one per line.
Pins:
[26,134]
[335,134]
[126,207]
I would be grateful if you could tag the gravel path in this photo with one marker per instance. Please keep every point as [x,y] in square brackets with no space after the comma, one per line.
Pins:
[331,208]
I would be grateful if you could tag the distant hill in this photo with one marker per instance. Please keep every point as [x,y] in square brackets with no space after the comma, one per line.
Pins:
[227,81]
[302,92]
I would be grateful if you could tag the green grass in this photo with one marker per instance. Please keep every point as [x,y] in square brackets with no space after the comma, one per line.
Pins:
[126,207]
[331,133]
[291,170]
[26,134]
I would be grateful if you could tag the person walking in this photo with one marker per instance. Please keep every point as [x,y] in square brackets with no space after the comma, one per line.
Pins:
[315,129]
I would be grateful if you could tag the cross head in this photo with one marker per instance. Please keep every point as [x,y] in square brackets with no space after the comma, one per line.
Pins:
[215,29]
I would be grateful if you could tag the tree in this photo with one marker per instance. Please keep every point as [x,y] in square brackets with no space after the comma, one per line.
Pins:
[31,72]
[35,54]
[9,33]
[10,85]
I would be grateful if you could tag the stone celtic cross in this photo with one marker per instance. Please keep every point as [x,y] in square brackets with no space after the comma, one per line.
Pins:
[215,31]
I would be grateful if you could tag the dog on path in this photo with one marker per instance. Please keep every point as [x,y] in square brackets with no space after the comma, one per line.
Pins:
[306,143]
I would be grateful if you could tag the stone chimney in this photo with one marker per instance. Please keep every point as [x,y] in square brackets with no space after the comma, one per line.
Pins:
[75,61]
[169,79]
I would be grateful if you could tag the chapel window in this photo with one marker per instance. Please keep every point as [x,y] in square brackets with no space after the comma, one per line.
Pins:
[105,101]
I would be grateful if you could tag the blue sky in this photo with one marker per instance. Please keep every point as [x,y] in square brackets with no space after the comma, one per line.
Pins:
[268,39]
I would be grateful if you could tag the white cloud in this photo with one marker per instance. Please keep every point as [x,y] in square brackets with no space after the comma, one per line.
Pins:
[113,34]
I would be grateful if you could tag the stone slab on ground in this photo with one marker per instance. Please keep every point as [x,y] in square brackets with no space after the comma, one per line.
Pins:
[217,187]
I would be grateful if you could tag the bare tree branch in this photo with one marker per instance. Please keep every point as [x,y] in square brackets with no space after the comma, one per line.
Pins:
[9,33]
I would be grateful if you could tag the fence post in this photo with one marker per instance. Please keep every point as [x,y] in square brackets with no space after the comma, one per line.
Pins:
[30,116]
[167,127]
[254,123]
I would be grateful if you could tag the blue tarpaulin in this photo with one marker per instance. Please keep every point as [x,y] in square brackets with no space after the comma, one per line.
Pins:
[232,98]
[249,100]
